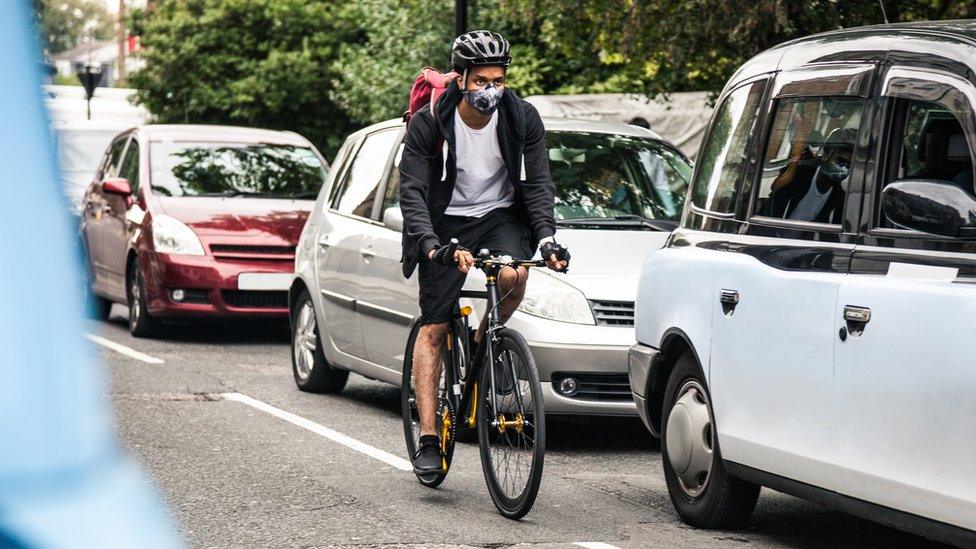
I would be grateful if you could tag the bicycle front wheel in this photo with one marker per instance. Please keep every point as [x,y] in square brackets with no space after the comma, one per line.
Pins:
[511,425]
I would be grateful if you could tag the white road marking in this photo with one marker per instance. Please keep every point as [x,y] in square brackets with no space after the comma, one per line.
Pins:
[595,545]
[322,430]
[127,351]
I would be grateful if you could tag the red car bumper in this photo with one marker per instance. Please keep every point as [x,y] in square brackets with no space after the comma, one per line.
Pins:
[210,287]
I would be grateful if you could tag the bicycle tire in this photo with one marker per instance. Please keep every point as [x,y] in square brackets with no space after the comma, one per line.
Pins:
[407,408]
[512,505]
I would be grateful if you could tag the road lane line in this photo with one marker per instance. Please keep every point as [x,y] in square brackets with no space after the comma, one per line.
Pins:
[127,351]
[322,430]
[595,545]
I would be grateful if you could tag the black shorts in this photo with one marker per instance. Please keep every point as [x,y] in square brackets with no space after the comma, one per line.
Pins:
[440,286]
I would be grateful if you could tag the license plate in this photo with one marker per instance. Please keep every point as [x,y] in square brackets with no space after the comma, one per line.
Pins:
[264,281]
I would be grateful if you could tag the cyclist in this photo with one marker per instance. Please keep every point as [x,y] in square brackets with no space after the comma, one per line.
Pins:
[475,168]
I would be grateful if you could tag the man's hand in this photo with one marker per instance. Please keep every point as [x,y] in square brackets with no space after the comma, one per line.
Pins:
[556,256]
[464,260]
[462,257]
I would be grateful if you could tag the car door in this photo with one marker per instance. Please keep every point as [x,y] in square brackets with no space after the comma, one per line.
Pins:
[774,297]
[389,301]
[906,412]
[341,242]
[100,225]
[120,217]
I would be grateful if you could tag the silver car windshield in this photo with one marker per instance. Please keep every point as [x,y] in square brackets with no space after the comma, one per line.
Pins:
[235,169]
[616,177]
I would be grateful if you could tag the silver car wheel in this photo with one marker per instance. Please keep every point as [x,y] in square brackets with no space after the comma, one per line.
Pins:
[690,438]
[305,340]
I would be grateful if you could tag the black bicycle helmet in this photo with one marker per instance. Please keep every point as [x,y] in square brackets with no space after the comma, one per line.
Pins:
[479,48]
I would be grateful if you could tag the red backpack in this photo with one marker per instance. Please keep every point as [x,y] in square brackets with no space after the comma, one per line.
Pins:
[426,89]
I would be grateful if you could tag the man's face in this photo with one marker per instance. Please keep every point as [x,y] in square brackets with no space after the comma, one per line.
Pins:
[480,77]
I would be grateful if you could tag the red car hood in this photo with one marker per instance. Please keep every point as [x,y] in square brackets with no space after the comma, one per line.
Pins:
[274,219]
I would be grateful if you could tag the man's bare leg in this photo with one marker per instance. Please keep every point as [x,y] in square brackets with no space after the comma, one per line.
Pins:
[507,279]
[427,374]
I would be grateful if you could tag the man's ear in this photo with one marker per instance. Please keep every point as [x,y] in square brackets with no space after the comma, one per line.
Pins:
[460,81]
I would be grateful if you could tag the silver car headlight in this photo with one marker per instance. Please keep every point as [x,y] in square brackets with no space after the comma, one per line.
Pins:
[548,297]
[172,236]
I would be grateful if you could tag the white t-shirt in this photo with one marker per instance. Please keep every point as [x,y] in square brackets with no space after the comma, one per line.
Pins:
[482,183]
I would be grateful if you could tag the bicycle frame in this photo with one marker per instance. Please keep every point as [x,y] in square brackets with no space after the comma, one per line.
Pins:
[467,406]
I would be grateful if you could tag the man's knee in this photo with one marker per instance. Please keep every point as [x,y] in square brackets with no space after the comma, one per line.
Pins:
[512,282]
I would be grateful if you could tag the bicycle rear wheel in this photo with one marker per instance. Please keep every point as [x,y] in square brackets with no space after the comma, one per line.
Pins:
[513,442]
[446,412]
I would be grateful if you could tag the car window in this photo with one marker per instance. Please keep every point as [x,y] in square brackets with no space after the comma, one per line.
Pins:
[391,197]
[114,159]
[360,183]
[931,144]
[806,166]
[723,158]
[129,168]
[340,165]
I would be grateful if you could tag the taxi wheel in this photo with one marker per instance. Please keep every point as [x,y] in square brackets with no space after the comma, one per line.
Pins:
[312,372]
[704,494]
[140,323]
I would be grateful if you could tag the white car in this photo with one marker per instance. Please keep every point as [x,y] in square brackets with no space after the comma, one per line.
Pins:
[81,145]
[619,190]
[806,328]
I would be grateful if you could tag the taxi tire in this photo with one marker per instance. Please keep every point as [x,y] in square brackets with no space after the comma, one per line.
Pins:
[726,502]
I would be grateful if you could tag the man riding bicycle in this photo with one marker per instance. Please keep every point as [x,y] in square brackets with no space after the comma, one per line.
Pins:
[474,168]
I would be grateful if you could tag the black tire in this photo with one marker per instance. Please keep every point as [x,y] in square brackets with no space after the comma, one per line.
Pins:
[497,446]
[408,411]
[718,500]
[141,324]
[312,372]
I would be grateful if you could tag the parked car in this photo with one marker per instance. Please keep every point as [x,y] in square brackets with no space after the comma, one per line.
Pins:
[81,146]
[619,190]
[187,222]
[805,327]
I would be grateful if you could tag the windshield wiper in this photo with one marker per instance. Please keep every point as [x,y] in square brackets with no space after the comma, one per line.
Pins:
[628,220]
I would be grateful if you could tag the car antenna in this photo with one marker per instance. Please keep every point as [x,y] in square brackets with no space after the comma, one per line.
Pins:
[883,12]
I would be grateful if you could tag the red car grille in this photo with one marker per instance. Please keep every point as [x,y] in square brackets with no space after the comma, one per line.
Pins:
[256,299]
[238,251]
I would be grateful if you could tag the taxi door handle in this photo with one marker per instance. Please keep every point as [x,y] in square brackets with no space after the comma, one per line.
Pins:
[324,241]
[729,300]
[368,253]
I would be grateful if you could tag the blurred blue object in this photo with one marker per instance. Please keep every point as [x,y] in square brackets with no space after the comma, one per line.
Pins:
[63,480]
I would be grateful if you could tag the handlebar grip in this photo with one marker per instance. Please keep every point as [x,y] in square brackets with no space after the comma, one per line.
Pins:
[448,257]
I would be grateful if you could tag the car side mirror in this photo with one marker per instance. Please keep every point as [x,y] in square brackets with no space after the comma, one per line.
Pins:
[931,206]
[393,219]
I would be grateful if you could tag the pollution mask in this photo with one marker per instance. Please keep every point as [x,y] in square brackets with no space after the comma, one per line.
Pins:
[485,101]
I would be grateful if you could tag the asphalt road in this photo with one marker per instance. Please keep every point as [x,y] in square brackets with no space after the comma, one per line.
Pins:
[238,476]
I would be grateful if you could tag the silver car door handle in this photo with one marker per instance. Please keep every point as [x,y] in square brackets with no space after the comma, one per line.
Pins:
[367,252]
[324,241]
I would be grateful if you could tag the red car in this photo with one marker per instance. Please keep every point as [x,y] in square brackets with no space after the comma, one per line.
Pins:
[193,221]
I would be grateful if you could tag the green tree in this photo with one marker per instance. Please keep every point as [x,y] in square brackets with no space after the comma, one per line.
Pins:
[63,24]
[261,63]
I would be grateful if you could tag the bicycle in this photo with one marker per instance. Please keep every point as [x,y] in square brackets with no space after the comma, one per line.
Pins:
[503,403]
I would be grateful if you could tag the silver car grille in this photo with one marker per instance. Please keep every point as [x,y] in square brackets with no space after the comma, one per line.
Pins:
[613,313]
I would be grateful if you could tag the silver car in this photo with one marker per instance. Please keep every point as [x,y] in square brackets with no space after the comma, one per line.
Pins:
[619,191]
